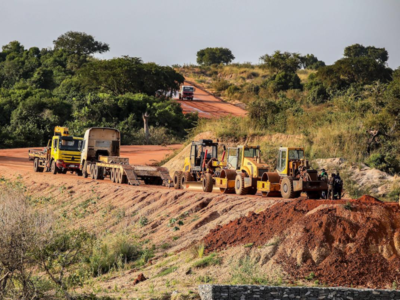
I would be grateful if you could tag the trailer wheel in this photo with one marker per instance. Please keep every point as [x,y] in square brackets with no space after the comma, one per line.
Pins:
[96,172]
[239,185]
[177,180]
[123,179]
[92,170]
[54,168]
[117,176]
[287,188]
[112,175]
[207,183]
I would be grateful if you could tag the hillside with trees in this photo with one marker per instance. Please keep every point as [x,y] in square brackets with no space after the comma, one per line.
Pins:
[349,109]
[68,86]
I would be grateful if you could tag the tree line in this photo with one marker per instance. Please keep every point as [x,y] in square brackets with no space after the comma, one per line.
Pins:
[66,85]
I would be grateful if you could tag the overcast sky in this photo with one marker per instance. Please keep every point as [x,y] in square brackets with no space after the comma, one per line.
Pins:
[172,31]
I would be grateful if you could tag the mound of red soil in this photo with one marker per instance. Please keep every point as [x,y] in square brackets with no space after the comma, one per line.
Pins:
[139,279]
[356,244]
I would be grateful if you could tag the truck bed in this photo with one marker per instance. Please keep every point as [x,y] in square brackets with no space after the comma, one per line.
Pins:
[33,153]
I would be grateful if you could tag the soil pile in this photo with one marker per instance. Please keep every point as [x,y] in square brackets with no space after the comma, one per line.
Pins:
[343,243]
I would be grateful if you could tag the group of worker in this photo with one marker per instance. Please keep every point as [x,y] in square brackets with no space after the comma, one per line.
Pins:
[335,185]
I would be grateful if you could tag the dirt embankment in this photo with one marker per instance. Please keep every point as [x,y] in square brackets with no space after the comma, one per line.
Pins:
[344,243]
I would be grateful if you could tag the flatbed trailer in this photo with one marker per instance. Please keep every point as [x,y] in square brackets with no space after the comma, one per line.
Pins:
[120,171]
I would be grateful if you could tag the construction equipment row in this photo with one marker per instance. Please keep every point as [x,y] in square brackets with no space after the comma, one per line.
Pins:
[97,155]
[244,173]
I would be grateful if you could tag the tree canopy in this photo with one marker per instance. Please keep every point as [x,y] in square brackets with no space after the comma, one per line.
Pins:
[65,86]
[209,56]
[80,43]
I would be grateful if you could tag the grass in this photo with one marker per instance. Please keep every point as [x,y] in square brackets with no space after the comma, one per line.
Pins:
[246,271]
[211,260]
[167,271]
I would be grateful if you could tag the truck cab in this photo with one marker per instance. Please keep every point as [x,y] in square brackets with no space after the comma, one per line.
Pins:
[65,152]
[186,92]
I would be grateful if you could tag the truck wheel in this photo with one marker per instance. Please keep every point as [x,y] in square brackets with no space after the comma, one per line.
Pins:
[208,183]
[84,171]
[54,168]
[92,170]
[287,188]
[78,173]
[36,165]
[96,172]
[180,97]
[239,185]
[177,180]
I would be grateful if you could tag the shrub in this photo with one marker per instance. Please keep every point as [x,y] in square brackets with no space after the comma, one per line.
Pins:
[211,260]
[246,271]
[220,85]
[112,253]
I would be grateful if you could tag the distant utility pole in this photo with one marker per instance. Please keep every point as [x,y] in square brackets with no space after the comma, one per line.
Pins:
[146,117]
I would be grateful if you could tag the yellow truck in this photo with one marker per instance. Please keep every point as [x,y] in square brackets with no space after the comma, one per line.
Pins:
[242,172]
[292,177]
[62,154]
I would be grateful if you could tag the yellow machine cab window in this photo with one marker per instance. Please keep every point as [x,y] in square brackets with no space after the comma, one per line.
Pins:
[296,154]
[251,152]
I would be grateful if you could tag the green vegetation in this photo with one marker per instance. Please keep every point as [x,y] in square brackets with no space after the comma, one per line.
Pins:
[210,56]
[246,271]
[67,86]
[211,260]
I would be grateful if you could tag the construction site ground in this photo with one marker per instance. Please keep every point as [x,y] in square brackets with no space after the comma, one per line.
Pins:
[299,241]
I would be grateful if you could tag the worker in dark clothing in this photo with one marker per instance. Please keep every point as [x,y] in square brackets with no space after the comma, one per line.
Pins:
[337,187]
[330,186]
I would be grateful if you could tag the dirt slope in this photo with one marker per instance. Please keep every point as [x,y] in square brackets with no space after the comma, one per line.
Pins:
[342,244]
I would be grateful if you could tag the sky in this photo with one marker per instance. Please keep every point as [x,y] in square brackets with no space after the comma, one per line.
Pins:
[172,31]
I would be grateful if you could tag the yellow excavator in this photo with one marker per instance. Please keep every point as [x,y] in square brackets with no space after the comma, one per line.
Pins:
[292,177]
[242,172]
[200,167]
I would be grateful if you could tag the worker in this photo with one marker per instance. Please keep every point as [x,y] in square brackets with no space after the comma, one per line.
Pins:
[338,186]
[323,175]
[330,186]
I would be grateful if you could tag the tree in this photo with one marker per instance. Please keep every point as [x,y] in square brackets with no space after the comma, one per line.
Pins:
[378,54]
[218,55]
[129,75]
[282,62]
[80,43]
[310,61]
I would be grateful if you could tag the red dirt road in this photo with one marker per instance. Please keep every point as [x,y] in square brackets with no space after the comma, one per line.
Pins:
[17,159]
[209,106]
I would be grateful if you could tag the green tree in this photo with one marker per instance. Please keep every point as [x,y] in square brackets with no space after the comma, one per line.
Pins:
[310,61]
[282,62]
[129,75]
[218,55]
[80,43]
[357,50]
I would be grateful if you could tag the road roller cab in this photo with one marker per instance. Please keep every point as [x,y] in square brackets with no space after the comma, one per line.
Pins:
[293,176]
[244,169]
[200,167]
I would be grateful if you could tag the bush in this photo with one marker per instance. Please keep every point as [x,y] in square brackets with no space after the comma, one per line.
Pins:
[384,162]
[221,85]
[246,271]
[317,95]
[112,253]
[283,81]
